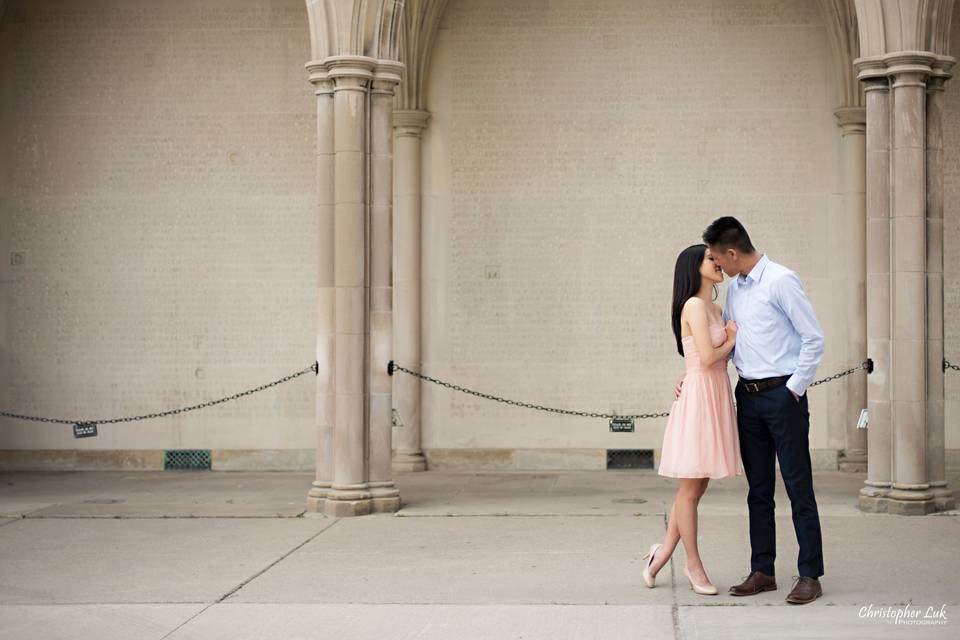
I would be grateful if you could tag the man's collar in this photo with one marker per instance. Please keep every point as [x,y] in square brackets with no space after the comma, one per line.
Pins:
[757,270]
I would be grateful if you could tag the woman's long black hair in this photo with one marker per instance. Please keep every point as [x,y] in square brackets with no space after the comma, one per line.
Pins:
[686,283]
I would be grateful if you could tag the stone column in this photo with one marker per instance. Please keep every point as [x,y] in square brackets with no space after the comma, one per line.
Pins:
[326,329]
[852,121]
[910,492]
[386,497]
[408,126]
[349,493]
[936,471]
[879,472]
[355,48]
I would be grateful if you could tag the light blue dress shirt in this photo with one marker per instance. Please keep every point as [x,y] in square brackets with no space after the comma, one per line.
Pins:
[777,331]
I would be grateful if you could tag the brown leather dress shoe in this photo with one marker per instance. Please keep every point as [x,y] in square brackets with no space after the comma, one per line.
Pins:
[805,590]
[755,583]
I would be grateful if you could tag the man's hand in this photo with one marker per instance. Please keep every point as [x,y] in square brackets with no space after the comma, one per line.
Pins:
[795,396]
[676,391]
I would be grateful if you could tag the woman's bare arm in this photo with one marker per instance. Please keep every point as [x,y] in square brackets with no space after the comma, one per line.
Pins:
[696,316]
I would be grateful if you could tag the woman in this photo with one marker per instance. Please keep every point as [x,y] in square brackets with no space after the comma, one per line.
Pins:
[700,441]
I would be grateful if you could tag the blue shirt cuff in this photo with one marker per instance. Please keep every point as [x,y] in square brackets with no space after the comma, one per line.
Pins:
[793,385]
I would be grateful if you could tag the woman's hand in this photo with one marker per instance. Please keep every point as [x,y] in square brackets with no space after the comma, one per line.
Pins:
[731,330]
[676,390]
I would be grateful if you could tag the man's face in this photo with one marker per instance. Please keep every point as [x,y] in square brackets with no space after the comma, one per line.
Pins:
[727,258]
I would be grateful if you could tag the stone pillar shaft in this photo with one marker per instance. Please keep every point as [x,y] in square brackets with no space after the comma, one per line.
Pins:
[852,121]
[350,274]
[877,484]
[408,128]
[386,497]
[909,291]
[326,328]
[936,472]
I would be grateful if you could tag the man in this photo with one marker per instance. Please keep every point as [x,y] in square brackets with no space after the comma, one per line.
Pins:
[779,345]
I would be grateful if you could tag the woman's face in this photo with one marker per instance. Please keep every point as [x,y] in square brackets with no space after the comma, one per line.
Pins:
[710,269]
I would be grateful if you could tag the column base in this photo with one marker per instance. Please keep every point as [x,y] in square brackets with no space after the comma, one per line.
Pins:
[852,460]
[911,507]
[347,508]
[385,497]
[873,497]
[409,461]
[357,500]
[905,502]
[317,495]
[942,496]
[346,500]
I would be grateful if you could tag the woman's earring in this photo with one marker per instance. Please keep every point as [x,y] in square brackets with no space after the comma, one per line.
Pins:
[716,293]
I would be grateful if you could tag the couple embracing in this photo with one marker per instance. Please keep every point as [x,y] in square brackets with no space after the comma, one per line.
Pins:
[768,327]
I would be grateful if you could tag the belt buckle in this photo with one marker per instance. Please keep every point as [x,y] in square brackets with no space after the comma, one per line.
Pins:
[755,387]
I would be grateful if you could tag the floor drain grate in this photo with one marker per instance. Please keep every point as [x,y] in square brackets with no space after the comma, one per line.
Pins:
[629,458]
[186,459]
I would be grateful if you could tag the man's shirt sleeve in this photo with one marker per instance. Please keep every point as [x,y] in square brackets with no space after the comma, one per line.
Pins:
[789,294]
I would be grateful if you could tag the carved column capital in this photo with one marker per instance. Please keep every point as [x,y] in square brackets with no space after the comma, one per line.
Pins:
[935,84]
[943,67]
[386,75]
[317,74]
[905,67]
[876,83]
[851,120]
[350,72]
[410,122]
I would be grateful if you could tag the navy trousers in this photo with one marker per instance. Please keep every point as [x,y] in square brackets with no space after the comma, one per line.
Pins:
[772,423]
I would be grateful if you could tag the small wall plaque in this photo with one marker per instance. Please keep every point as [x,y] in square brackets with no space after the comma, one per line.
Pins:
[621,424]
[84,429]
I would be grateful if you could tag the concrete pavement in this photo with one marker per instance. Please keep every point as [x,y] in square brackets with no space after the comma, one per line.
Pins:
[539,554]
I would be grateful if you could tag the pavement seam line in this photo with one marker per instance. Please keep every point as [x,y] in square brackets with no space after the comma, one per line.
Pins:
[247,581]
[522,515]
[136,517]
[674,607]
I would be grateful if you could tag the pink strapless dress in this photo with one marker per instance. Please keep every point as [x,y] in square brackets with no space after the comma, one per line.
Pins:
[701,439]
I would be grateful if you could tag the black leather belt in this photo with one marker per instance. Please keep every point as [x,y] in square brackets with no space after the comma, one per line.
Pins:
[752,386]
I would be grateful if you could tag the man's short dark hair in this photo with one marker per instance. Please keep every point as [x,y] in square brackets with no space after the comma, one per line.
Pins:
[727,232]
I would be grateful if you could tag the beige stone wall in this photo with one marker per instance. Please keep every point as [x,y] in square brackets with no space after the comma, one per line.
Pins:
[157,173]
[951,244]
[157,177]
[574,150]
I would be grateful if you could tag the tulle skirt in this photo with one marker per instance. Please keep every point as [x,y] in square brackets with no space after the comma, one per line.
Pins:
[701,439]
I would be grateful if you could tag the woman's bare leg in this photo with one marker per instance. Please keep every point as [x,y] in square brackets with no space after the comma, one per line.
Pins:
[682,524]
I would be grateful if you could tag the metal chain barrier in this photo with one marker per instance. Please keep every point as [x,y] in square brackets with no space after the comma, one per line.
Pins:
[314,367]
[395,367]
[867,365]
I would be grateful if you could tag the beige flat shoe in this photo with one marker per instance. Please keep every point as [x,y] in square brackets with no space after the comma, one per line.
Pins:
[648,579]
[704,590]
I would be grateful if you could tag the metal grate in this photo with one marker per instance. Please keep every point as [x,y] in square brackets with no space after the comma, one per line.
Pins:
[629,458]
[186,459]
